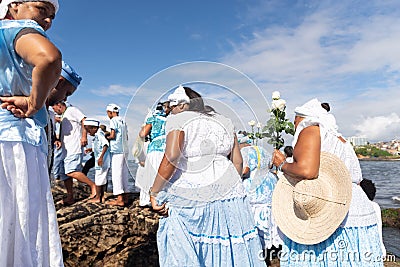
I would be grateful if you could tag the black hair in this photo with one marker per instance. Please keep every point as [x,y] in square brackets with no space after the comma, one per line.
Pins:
[288,151]
[196,101]
[369,188]
[326,106]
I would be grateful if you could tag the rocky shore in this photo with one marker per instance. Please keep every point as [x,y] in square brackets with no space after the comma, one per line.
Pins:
[101,235]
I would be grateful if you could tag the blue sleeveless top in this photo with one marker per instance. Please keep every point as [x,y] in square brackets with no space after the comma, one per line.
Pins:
[16,80]
[157,133]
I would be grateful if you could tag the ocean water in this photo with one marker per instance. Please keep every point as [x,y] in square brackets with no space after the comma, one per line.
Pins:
[386,176]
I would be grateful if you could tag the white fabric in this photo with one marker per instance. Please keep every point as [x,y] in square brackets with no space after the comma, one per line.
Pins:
[179,96]
[100,176]
[28,223]
[379,216]
[91,122]
[4,5]
[71,130]
[119,172]
[361,212]
[113,108]
[208,141]
[145,181]
[120,142]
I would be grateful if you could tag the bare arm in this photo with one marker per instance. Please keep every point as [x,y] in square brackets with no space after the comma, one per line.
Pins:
[84,141]
[100,160]
[236,156]
[306,155]
[112,135]
[174,144]
[38,51]
[145,130]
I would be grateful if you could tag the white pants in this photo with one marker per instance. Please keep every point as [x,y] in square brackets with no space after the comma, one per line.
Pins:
[120,173]
[28,223]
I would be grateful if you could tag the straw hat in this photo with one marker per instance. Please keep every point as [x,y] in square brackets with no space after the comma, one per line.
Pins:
[309,211]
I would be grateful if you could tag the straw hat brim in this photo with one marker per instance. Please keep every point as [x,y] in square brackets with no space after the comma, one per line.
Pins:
[336,197]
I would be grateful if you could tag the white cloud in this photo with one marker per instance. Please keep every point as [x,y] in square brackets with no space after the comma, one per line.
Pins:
[339,52]
[380,128]
[114,90]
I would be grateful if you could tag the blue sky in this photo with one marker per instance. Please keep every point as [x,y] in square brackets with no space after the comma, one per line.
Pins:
[342,52]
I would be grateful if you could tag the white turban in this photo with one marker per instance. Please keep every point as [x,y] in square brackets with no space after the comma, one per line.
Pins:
[179,96]
[313,110]
[4,5]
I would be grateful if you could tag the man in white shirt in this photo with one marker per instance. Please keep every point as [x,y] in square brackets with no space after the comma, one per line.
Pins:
[119,169]
[73,138]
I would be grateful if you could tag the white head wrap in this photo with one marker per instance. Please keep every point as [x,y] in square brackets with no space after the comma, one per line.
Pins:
[112,108]
[91,122]
[4,5]
[179,96]
[314,111]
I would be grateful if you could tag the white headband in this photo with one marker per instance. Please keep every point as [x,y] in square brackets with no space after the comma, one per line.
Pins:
[91,122]
[179,96]
[4,5]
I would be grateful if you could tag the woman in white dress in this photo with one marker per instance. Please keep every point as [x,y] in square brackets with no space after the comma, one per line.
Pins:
[30,67]
[353,241]
[209,219]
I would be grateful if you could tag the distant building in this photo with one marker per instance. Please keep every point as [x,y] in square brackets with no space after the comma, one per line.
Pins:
[358,141]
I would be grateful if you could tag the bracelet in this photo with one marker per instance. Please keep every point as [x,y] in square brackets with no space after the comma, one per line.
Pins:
[152,194]
[281,165]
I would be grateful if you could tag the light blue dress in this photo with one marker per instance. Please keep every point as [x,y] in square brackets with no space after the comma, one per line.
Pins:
[259,187]
[28,223]
[210,222]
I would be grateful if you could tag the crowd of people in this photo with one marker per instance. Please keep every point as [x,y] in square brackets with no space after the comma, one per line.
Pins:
[222,201]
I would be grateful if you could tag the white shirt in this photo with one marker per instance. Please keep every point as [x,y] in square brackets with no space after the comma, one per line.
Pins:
[121,136]
[71,130]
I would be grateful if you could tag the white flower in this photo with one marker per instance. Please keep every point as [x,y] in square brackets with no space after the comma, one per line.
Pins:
[252,123]
[259,125]
[279,104]
[276,95]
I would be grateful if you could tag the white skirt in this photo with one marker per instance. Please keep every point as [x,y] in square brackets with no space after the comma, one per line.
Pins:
[146,179]
[28,222]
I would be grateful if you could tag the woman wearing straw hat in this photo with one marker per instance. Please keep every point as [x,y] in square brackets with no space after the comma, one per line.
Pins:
[30,68]
[324,214]
[209,220]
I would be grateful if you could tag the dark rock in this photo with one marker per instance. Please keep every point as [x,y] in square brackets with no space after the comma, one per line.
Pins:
[100,235]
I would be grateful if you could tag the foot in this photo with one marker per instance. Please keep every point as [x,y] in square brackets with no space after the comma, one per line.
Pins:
[116,203]
[67,202]
[93,191]
[94,200]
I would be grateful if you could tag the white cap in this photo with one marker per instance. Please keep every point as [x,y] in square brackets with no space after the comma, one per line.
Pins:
[91,122]
[112,108]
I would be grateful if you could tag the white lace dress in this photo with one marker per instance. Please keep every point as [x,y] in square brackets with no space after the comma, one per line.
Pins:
[210,221]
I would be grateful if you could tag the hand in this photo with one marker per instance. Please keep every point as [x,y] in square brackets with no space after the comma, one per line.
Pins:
[20,106]
[100,161]
[277,158]
[57,144]
[88,150]
[162,210]
[84,141]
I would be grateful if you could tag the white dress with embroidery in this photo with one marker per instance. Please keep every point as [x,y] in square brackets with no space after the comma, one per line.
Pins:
[210,222]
